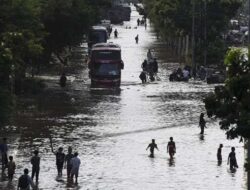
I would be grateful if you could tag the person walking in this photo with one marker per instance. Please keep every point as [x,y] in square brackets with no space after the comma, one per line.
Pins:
[11,168]
[35,162]
[149,55]
[4,153]
[137,39]
[219,156]
[202,123]
[171,148]
[63,80]
[60,157]
[116,33]
[232,159]
[25,181]
[144,65]
[151,147]
[67,163]
[138,22]
[75,163]
[143,77]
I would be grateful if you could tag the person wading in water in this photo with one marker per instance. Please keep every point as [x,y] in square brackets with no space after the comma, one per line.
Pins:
[219,156]
[232,159]
[202,123]
[171,149]
[152,146]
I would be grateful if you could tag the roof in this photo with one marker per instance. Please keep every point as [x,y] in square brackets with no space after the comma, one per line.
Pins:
[105,46]
[97,27]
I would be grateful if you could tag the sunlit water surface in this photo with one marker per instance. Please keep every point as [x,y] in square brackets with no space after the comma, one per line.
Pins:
[112,128]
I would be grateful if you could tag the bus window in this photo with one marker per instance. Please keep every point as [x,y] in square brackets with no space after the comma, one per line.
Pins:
[106,55]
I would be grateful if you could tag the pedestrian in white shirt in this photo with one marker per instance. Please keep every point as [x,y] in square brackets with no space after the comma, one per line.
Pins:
[185,74]
[75,163]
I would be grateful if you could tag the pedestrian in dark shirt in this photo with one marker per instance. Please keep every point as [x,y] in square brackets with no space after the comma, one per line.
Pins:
[151,147]
[35,161]
[63,80]
[232,159]
[4,153]
[202,123]
[116,33]
[138,22]
[68,164]
[24,182]
[155,66]
[60,157]
[219,156]
[143,77]
[144,65]
[171,149]
[137,39]
[11,168]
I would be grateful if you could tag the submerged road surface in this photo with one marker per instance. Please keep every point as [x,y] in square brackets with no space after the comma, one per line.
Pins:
[111,129]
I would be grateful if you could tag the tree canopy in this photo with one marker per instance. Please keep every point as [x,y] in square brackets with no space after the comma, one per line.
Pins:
[174,18]
[33,31]
[231,102]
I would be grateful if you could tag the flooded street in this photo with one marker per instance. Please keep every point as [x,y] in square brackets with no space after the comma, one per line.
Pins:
[111,129]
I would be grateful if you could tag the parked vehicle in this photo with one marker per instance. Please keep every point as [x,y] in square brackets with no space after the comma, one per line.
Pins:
[97,34]
[105,65]
[107,25]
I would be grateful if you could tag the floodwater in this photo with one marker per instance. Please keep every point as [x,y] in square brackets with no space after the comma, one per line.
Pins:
[112,128]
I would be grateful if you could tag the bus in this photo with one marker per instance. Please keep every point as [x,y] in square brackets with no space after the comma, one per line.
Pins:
[105,65]
[97,34]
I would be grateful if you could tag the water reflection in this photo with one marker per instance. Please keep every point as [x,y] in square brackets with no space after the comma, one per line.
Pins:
[110,129]
[202,137]
[171,162]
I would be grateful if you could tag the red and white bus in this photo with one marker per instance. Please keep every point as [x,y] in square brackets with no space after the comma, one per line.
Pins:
[105,65]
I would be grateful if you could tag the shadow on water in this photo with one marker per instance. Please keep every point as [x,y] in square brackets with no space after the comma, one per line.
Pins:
[105,91]
[145,130]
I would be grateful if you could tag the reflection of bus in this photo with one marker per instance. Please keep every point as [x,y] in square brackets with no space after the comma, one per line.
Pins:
[105,65]
[97,34]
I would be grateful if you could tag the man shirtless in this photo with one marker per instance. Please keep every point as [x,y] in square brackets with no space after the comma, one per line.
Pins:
[152,146]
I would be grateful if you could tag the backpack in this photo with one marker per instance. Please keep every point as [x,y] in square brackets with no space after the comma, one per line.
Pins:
[23,181]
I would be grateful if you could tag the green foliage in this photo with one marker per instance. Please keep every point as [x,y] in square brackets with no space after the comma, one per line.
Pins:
[6,102]
[231,102]
[174,18]
[32,31]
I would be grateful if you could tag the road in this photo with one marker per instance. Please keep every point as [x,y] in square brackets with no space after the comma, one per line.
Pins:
[112,128]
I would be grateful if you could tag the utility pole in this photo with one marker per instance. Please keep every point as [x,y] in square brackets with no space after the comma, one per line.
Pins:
[248,140]
[193,40]
[205,33]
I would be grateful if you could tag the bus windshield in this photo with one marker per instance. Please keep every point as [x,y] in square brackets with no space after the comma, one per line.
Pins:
[106,69]
[106,55]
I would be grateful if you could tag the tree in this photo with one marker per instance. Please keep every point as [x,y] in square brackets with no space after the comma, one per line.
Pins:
[231,102]
[173,18]
[34,31]
[66,22]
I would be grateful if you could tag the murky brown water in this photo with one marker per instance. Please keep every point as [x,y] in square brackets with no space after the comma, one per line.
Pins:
[112,128]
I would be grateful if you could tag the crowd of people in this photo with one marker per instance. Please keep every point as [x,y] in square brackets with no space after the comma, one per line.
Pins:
[149,68]
[71,162]
[180,74]
[171,148]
